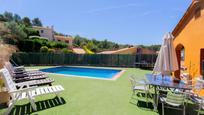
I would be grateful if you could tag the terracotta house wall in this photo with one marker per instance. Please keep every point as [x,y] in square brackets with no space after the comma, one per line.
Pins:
[192,38]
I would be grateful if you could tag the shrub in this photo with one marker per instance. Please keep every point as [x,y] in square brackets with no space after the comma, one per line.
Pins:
[59,45]
[10,41]
[31,32]
[87,50]
[65,50]
[37,44]
[51,50]
[44,49]
[16,31]
[29,45]
[25,45]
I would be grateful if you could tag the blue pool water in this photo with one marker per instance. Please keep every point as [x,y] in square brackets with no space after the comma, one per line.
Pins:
[83,72]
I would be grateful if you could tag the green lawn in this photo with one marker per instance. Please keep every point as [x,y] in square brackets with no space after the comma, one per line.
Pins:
[84,96]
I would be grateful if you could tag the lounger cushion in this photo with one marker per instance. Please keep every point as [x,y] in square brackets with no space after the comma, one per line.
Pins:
[41,91]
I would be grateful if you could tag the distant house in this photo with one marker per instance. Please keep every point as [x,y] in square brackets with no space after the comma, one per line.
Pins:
[145,51]
[66,39]
[130,50]
[189,39]
[46,32]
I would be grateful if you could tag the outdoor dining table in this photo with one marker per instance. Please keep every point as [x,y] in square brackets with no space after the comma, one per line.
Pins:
[166,82]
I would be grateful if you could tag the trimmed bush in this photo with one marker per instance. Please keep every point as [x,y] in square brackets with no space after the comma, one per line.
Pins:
[65,50]
[59,45]
[44,49]
[51,50]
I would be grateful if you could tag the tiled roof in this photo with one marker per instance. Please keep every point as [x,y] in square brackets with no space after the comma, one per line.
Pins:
[185,18]
[63,37]
[131,49]
[39,27]
[78,50]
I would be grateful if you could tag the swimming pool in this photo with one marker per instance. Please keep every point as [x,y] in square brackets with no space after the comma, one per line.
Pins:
[85,72]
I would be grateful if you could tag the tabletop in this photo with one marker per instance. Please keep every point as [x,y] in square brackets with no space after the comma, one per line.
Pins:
[166,81]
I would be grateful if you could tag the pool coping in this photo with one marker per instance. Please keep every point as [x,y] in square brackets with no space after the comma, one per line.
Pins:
[109,79]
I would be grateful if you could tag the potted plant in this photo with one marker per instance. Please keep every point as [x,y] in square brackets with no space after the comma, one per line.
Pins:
[4,95]
[6,52]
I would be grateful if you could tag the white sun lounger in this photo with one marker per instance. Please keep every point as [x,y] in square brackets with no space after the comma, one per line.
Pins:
[26,93]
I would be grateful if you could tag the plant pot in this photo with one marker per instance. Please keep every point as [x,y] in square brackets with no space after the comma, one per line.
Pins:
[4,97]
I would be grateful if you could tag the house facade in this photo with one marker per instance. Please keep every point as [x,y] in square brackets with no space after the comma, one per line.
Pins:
[66,39]
[189,39]
[46,32]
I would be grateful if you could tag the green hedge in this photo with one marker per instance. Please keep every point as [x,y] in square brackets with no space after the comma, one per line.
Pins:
[81,59]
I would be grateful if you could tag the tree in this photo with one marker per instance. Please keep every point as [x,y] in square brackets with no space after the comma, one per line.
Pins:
[15,30]
[104,44]
[151,47]
[91,46]
[96,42]
[80,41]
[5,35]
[36,22]
[17,18]
[58,33]
[3,30]
[8,16]
[116,46]
[26,22]
[2,18]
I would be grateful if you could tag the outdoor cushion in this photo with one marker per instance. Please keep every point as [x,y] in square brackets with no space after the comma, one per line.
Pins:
[140,88]
[173,99]
[198,100]
[163,99]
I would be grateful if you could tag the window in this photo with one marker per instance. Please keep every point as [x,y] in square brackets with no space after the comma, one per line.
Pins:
[67,41]
[197,12]
[41,31]
[182,54]
[202,68]
[202,62]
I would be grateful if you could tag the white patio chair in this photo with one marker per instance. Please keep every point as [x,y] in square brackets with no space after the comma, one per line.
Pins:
[196,98]
[140,90]
[173,101]
[26,93]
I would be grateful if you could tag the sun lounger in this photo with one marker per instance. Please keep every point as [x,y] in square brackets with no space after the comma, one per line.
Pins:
[26,93]
[21,70]
[18,77]
[39,82]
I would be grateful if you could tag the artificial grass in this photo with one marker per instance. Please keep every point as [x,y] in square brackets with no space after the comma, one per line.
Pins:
[85,96]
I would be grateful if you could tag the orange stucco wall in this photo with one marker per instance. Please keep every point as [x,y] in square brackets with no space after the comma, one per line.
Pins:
[192,38]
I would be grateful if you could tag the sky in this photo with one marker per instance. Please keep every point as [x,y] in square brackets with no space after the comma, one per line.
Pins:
[123,21]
